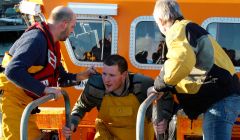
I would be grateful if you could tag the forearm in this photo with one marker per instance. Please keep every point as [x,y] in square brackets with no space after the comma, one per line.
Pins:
[159,83]
[22,79]
[79,109]
[84,104]
[77,115]
[79,77]
[75,120]
[85,74]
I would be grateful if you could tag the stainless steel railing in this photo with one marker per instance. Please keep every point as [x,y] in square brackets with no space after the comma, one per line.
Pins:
[27,111]
[141,114]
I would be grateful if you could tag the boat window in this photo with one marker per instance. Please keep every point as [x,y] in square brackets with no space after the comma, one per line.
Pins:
[226,31]
[147,45]
[11,25]
[85,43]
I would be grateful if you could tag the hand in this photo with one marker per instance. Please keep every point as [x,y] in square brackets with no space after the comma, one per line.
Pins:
[85,74]
[160,128]
[55,90]
[151,90]
[67,132]
[159,84]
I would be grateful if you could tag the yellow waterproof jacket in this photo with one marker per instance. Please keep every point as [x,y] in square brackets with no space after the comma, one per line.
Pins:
[198,67]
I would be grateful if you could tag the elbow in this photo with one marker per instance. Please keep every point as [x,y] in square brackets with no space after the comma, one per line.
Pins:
[9,72]
[170,81]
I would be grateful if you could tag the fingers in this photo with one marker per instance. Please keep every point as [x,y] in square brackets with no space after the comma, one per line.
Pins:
[151,90]
[160,127]
[67,132]
[92,70]
[85,74]
[54,90]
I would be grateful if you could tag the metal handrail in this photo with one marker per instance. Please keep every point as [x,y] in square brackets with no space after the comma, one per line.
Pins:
[141,114]
[27,111]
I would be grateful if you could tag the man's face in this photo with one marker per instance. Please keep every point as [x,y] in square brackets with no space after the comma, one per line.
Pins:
[69,28]
[158,22]
[113,79]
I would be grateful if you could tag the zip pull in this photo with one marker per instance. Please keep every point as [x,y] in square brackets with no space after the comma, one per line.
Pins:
[191,124]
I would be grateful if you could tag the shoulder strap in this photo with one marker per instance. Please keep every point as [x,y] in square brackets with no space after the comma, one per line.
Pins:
[131,86]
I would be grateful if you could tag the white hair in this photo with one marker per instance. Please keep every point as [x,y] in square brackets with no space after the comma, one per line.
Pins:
[167,10]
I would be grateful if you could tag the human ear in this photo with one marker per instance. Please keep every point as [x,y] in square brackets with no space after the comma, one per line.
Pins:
[64,24]
[162,22]
[125,73]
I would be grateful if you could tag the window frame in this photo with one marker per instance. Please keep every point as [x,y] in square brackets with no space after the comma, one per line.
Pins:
[210,20]
[132,48]
[93,18]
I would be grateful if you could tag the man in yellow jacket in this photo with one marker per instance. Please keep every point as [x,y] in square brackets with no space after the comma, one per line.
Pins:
[203,76]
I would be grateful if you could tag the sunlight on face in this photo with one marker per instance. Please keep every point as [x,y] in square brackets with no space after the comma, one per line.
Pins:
[158,21]
[112,78]
[68,29]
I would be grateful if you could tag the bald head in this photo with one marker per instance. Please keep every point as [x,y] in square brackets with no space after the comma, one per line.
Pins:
[61,13]
[61,23]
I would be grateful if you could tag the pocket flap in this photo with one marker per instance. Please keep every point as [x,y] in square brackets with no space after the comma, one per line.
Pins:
[121,111]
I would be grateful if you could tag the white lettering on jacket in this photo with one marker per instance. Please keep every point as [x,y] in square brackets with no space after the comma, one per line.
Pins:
[52,59]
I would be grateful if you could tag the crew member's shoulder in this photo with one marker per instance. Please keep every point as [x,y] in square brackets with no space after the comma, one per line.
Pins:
[96,81]
[33,39]
[35,35]
[140,78]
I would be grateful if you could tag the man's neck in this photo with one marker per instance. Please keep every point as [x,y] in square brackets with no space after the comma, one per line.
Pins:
[119,91]
[123,90]
[53,32]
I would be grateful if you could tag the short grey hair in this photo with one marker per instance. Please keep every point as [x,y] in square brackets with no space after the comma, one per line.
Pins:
[167,10]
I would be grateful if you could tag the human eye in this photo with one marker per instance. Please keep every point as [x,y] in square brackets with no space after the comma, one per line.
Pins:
[104,74]
[112,75]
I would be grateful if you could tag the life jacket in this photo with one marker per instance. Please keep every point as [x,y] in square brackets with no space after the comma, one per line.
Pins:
[49,73]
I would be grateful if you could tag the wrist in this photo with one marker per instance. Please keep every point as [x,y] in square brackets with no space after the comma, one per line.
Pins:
[79,77]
